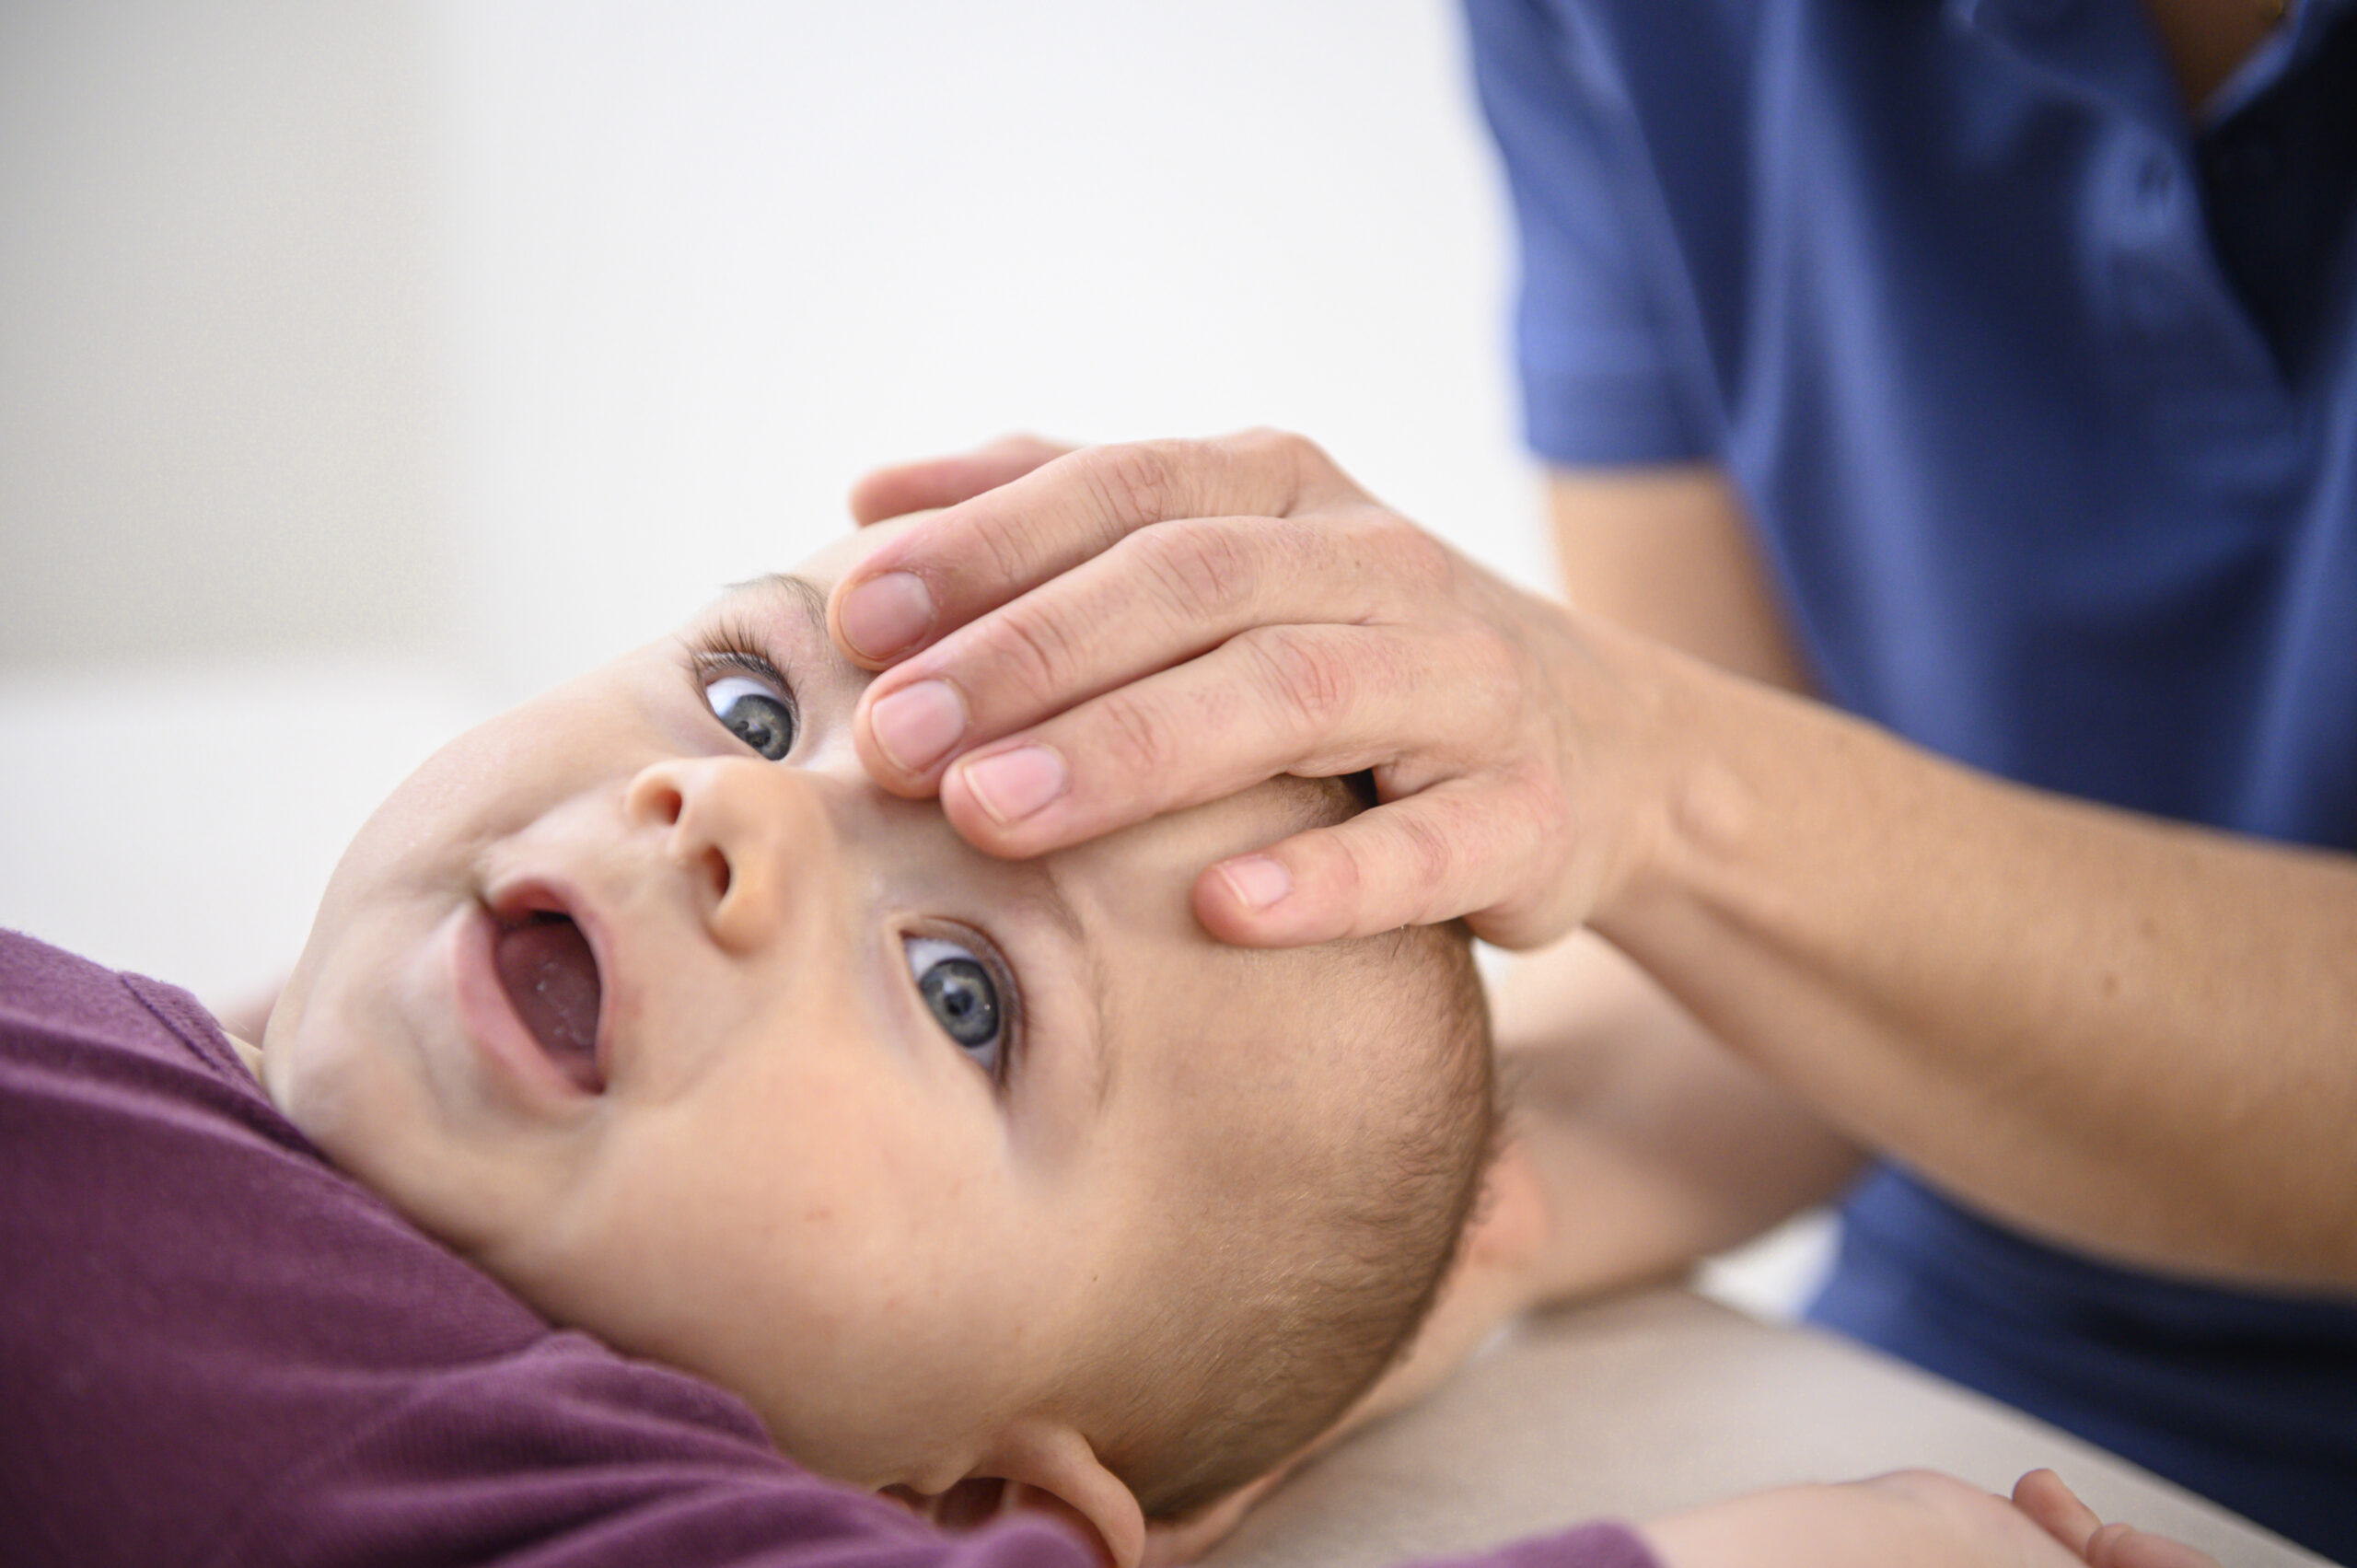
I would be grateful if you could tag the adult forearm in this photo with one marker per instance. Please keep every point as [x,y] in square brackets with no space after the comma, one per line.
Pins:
[2129,1035]
[1646,1144]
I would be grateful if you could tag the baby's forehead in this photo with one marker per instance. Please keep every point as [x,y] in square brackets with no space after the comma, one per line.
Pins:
[808,594]
[1211,1016]
[813,579]
[828,564]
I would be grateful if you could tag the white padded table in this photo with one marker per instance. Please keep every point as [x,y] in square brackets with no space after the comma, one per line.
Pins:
[1653,1403]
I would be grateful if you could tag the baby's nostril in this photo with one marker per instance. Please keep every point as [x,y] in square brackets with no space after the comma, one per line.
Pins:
[654,800]
[716,867]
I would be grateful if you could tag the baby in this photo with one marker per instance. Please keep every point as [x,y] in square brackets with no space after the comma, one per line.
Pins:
[640,1011]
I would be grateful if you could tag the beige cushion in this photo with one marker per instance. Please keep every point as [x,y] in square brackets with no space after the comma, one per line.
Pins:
[1654,1402]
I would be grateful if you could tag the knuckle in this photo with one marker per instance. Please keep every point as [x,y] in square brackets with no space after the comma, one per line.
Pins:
[1270,441]
[1424,560]
[1201,572]
[1424,851]
[1265,444]
[1489,679]
[1312,468]
[1529,816]
[1306,675]
[1345,871]
[1267,449]
[1008,541]
[1550,816]
[1133,482]
[1134,737]
[1038,652]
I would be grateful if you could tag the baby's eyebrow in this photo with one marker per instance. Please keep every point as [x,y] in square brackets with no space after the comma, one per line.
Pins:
[807,596]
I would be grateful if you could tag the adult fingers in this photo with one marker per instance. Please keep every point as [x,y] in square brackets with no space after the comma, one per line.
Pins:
[1459,847]
[2142,1548]
[1313,699]
[1157,597]
[999,545]
[931,483]
[2056,1509]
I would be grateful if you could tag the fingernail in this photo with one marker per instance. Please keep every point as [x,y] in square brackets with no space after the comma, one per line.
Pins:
[885,614]
[917,724]
[1011,785]
[1257,881]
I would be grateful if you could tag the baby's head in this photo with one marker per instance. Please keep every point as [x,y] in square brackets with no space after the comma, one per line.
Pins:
[644,999]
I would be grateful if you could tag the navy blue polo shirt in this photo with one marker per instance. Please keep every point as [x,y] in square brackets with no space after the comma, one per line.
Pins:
[2042,393]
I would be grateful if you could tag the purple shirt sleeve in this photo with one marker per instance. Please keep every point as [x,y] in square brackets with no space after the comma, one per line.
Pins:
[217,1349]
[1605,1543]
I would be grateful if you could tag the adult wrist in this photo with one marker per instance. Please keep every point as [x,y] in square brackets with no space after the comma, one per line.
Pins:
[1690,811]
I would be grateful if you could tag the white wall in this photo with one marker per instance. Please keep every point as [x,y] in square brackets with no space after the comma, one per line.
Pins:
[226,621]
[715,259]
[216,381]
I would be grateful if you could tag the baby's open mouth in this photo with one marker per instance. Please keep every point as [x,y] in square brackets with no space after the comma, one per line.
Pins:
[551,979]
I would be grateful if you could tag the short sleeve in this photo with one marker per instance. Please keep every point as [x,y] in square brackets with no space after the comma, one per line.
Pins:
[1602,382]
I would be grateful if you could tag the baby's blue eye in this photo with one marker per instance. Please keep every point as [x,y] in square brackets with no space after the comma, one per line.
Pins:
[958,987]
[753,713]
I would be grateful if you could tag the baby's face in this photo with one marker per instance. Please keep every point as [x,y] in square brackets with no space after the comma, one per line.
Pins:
[644,999]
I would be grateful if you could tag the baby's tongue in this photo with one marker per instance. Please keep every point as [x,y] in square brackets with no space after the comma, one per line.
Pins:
[552,981]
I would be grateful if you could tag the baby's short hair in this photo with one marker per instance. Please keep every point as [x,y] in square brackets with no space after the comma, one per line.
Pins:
[1315,1266]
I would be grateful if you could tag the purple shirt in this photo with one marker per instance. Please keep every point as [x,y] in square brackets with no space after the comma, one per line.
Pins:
[217,1349]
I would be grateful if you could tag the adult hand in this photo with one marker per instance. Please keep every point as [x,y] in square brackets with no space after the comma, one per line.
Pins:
[1918,1517]
[1087,639]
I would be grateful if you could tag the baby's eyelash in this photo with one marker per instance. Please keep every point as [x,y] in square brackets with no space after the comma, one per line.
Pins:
[728,644]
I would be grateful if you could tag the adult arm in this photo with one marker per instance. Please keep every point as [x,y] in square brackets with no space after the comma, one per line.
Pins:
[2124,1034]
[1649,1144]
[2061,1017]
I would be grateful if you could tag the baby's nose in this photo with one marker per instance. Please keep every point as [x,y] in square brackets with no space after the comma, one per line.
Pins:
[729,825]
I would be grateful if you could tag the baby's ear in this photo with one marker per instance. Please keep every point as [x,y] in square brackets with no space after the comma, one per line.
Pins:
[1050,1468]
